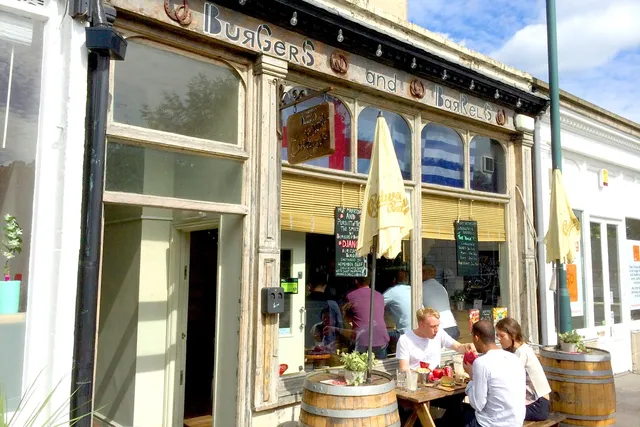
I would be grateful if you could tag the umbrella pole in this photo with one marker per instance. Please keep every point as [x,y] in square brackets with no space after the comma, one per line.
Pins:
[374,249]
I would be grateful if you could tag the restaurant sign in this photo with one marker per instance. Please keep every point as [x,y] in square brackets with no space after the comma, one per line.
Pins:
[311,133]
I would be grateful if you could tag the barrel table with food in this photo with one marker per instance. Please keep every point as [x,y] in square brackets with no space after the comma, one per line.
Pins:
[582,386]
[327,400]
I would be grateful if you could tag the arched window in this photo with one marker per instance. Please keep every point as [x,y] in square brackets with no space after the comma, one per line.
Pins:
[400,134]
[442,156]
[487,165]
[341,159]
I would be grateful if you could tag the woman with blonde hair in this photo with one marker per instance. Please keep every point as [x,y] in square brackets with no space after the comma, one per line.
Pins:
[511,339]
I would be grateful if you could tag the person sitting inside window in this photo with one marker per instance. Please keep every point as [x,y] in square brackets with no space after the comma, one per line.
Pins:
[435,295]
[538,389]
[397,302]
[496,390]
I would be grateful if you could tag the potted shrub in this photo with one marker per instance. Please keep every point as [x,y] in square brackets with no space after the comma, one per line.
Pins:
[11,246]
[355,367]
[458,296]
[571,342]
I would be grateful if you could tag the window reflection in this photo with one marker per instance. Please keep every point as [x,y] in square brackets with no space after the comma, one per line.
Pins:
[442,156]
[487,165]
[341,159]
[400,134]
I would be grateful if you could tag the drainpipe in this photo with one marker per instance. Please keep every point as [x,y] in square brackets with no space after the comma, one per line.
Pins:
[538,214]
[103,44]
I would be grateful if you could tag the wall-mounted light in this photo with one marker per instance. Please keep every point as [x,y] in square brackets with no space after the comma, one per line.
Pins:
[497,95]
[340,36]
[445,76]
[414,64]
[472,85]
[294,19]
[242,2]
[379,51]
[519,103]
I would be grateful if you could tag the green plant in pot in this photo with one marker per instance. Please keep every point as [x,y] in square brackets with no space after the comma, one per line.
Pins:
[11,246]
[572,342]
[355,366]
[458,296]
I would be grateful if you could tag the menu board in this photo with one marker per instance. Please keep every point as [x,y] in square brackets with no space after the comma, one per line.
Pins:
[467,258]
[347,225]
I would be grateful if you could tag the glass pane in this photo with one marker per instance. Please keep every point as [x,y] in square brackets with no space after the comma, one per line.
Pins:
[457,297]
[341,159]
[164,91]
[442,156]
[487,165]
[577,290]
[285,273]
[633,244]
[20,75]
[614,273]
[400,134]
[143,170]
[597,276]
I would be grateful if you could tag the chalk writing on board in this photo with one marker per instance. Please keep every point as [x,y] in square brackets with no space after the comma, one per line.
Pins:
[467,257]
[347,226]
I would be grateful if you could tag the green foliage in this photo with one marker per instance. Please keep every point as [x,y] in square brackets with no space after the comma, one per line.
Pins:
[356,361]
[572,337]
[458,295]
[12,243]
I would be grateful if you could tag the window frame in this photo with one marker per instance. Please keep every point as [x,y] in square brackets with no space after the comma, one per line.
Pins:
[505,151]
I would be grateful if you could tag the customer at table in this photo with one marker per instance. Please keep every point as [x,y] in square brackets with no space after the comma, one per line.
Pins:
[496,390]
[538,389]
[424,344]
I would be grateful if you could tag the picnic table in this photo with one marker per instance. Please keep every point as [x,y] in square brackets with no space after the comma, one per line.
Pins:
[421,401]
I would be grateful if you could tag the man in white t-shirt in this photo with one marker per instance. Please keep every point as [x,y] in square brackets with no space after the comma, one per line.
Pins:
[496,391]
[435,295]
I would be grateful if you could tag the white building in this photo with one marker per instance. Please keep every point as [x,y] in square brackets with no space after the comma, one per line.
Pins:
[43,83]
[601,171]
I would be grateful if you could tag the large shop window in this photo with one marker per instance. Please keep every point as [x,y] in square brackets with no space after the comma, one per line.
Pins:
[160,90]
[400,134]
[633,259]
[341,159]
[442,156]
[488,168]
[20,74]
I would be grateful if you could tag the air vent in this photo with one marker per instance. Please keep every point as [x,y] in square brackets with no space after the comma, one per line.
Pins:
[488,164]
[32,2]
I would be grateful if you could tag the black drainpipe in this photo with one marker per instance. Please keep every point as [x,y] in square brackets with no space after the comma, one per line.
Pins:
[103,44]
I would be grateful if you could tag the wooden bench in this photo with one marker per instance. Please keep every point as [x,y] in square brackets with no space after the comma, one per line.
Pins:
[554,420]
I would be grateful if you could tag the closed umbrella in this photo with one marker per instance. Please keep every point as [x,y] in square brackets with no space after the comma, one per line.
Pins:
[386,219]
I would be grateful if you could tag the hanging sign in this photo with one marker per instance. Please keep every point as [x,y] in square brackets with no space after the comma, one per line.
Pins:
[311,133]
[467,258]
[290,286]
[347,225]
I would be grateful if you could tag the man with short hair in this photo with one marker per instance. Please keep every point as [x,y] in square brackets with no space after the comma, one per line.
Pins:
[397,302]
[316,302]
[435,295]
[496,391]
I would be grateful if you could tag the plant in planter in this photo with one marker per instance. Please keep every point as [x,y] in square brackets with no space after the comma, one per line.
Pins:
[11,246]
[572,342]
[458,296]
[355,366]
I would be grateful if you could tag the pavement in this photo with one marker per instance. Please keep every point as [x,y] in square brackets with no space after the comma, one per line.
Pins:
[628,400]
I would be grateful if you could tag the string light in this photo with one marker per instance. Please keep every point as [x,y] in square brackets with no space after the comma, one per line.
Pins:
[497,95]
[294,19]
[414,64]
[444,75]
[379,51]
[242,2]
[340,36]
[472,85]
[519,103]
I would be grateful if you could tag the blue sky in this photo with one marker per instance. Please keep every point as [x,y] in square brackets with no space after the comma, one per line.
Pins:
[598,42]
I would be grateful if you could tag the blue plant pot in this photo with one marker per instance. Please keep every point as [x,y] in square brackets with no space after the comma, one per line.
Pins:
[9,296]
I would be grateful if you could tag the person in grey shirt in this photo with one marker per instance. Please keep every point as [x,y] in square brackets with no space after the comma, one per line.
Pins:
[435,295]
[397,302]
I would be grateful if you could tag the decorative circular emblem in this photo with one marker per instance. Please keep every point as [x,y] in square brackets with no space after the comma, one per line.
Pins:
[417,89]
[339,63]
[501,117]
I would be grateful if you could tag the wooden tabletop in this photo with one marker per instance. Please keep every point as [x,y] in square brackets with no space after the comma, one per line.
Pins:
[425,394]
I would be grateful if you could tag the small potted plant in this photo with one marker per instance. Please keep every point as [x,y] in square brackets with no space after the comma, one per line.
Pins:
[11,246]
[355,367]
[571,342]
[458,296]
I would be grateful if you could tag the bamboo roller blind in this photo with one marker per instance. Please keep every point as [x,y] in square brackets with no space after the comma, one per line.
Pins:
[308,204]
[439,214]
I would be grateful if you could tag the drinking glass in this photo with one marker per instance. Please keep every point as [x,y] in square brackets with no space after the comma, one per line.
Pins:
[412,380]
[401,378]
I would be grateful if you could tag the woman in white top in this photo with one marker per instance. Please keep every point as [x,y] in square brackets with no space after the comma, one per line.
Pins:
[511,339]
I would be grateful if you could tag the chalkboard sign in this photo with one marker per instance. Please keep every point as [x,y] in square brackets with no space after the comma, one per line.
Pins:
[467,248]
[347,225]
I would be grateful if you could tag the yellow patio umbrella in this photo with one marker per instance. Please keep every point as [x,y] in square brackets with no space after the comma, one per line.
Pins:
[386,217]
[561,244]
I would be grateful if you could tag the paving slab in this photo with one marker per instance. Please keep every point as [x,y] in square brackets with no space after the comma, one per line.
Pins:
[628,400]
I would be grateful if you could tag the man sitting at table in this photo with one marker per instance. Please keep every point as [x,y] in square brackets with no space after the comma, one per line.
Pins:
[496,392]
[424,344]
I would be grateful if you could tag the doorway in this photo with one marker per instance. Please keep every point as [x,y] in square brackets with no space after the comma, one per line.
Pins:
[201,327]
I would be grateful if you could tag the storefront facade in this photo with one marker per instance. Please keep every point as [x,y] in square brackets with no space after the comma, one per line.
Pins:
[601,154]
[203,210]
[42,105]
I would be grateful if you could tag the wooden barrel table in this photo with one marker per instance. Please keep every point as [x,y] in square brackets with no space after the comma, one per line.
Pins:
[582,386]
[325,404]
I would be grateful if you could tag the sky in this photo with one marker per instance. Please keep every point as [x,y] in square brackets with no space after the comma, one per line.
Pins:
[598,42]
